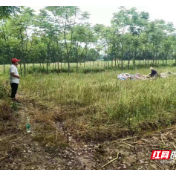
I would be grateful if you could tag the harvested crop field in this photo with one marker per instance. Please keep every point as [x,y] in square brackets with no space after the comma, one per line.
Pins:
[87,121]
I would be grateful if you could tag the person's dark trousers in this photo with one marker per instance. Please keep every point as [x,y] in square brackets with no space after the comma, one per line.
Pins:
[14,87]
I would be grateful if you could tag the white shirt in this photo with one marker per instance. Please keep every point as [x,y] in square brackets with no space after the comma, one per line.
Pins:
[13,69]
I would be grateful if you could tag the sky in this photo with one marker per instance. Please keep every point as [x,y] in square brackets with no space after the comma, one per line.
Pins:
[104,14]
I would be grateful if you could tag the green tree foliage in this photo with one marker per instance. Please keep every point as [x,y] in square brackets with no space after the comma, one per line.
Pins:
[6,11]
[62,34]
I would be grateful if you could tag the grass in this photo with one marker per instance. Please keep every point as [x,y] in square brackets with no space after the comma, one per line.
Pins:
[91,107]
[45,137]
[97,106]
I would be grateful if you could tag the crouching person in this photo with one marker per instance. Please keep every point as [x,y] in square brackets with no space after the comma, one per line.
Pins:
[153,72]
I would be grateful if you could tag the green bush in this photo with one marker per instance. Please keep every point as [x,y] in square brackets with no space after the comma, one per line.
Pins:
[3,92]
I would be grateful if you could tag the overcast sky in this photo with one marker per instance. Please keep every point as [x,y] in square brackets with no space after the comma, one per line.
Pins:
[103,14]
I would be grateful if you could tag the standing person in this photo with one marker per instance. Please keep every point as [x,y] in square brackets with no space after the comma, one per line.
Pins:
[14,79]
[153,72]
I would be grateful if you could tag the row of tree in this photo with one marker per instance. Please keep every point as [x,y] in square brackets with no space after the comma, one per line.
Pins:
[62,34]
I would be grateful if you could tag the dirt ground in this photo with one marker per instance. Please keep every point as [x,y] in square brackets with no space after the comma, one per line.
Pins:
[50,146]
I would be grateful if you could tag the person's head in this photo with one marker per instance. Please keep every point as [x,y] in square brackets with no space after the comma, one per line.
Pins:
[15,61]
[151,68]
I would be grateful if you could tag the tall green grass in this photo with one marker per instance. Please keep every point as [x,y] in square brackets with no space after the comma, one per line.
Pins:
[98,105]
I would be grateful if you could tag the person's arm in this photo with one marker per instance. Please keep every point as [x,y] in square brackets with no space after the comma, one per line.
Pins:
[13,74]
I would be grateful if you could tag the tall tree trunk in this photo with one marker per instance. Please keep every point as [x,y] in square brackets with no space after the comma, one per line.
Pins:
[4,66]
[128,62]
[47,58]
[24,69]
